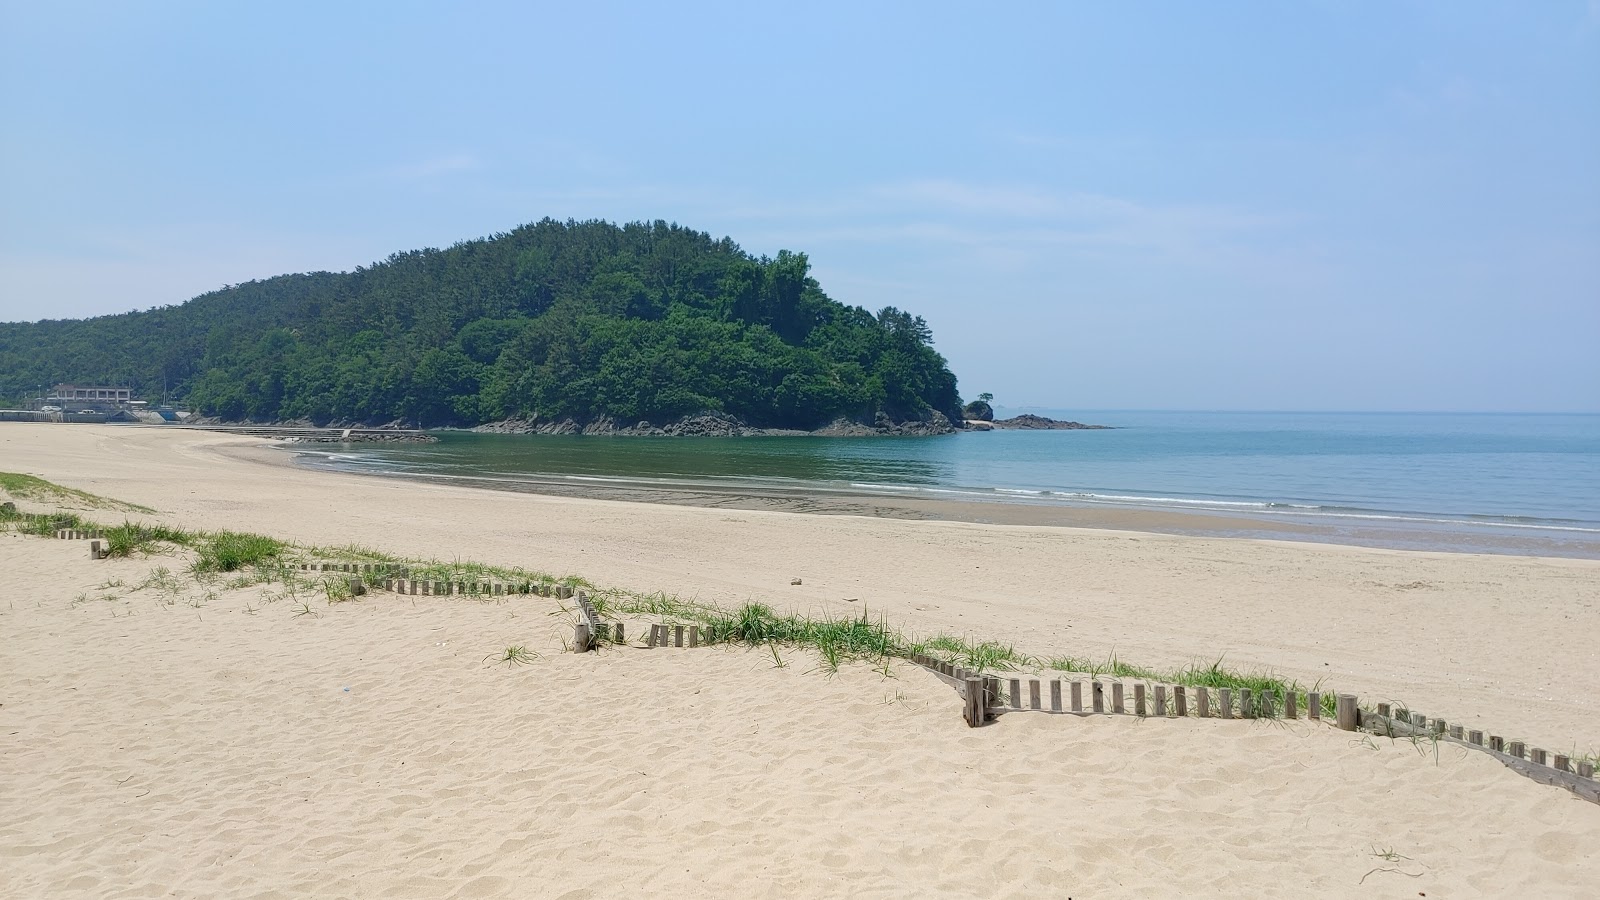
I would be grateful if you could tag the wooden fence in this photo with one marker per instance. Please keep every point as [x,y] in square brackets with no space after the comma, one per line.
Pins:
[1543,766]
[986,697]
[589,633]
[673,636]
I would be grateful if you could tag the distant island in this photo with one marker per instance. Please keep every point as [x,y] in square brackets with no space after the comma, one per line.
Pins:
[561,327]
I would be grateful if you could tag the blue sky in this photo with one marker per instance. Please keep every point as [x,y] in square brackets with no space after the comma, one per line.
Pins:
[1318,205]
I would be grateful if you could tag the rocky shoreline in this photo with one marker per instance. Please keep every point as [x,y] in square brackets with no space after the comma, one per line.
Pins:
[698,425]
[711,424]
[1031,422]
[706,424]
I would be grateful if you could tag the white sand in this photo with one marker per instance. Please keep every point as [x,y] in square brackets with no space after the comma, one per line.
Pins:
[158,748]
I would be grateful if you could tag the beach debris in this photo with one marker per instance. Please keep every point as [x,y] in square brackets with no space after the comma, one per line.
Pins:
[793,582]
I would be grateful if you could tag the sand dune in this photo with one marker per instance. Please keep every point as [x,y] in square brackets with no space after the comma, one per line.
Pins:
[180,744]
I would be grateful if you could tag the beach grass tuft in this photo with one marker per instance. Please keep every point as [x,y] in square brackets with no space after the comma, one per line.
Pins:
[230,551]
[1211,675]
[40,524]
[515,655]
[135,537]
[835,639]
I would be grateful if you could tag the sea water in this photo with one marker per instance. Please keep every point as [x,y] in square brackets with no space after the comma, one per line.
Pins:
[1525,477]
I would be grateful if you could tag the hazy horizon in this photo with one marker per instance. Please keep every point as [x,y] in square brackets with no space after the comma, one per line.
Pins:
[1170,208]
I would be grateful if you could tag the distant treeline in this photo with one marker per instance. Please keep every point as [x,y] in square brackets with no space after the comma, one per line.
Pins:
[553,320]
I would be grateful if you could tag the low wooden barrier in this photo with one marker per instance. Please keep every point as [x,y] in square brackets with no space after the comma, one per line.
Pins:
[1099,696]
[79,534]
[589,633]
[1543,766]
[399,579]
[674,635]
[986,697]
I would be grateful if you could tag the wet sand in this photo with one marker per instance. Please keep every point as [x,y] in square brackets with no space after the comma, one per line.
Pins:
[1390,535]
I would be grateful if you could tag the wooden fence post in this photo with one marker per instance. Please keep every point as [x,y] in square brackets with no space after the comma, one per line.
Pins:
[974,711]
[1348,715]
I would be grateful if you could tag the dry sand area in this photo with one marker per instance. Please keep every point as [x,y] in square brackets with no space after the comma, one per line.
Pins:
[209,741]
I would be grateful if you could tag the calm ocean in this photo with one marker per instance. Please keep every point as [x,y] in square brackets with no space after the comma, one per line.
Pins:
[1528,478]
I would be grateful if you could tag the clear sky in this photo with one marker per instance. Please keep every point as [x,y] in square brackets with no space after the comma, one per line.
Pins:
[1250,205]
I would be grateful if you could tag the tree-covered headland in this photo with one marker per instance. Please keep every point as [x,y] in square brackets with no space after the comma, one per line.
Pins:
[552,321]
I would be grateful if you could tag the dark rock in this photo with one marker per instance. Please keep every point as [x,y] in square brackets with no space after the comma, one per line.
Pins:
[717,424]
[1029,421]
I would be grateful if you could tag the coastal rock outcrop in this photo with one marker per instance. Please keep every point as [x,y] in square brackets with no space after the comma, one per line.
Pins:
[716,424]
[1029,421]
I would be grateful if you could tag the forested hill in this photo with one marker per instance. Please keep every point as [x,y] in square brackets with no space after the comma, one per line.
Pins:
[552,321]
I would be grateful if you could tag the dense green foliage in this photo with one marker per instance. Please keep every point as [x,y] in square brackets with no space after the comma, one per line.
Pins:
[553,320]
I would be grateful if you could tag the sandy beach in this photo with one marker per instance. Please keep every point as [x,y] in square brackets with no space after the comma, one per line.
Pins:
[222,745]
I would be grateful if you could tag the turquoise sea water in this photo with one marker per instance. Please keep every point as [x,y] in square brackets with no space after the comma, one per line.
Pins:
[1525,477]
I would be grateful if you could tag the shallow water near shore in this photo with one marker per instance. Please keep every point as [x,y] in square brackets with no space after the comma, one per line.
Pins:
[1508,483]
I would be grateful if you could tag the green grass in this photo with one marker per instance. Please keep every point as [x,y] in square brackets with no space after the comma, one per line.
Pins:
[42,524]
[337,589]
[133,537]
[230,551]
[835,640]
[30,487]
[519,580]
[1209,676]
[1113,667]
[863,638]
[514,655]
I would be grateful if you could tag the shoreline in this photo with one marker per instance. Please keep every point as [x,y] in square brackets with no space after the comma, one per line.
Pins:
[1395,533]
